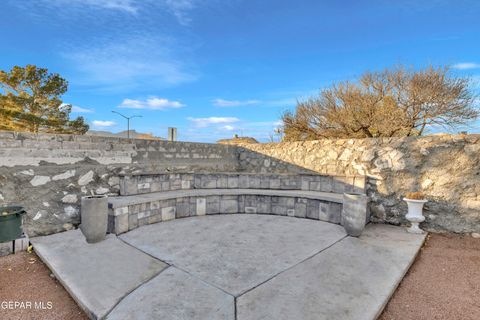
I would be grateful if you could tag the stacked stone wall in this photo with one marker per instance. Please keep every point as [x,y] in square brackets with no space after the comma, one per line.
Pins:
[446,168]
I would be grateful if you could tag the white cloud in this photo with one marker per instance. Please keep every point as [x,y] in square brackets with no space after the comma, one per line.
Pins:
[228,128]
[146,61]
[205,122]
[103,124]
[129,6]
[152,103]
[233,103]
[466,66]
[180,9]
[78,109]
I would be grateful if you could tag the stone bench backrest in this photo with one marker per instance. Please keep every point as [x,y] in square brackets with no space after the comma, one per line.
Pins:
[147,183]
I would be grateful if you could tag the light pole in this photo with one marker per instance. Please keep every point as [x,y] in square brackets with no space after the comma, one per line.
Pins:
[128,121]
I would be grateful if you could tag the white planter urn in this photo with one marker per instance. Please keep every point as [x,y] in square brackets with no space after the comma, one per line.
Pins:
[415,214]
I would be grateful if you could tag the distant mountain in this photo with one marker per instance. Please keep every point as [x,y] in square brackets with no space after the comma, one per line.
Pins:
[124,134]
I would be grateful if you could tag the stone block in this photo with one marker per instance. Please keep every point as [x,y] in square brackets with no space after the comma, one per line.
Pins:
[290,183]
[222,182]
[175,184]
[313,209]
[208,182]
[142,222]
[119,211]
[287,202]
[315,186]
[339,185]
[228,206]
[274,183]
[168,213]
[300,209]
[232,182]
[166,186]
[279,209]
[253,182]
[326,184]
[250,201]
[144,206]
[154,205]
[187,177]
[243,181]
[120,223]
[155,218]
[264,204]
[132,221]
[186,184]
[141,215]
[241,204]
[213,204]
[250,210]
[183,208]
[135,208]
[324,212]
[155,186]
[291,212]
[197,182]
[335,212]
[142,186]
[305,183]
[201,206]
[265,182]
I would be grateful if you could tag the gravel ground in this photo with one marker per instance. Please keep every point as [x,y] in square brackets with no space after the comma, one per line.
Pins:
[25,279]
[443,283]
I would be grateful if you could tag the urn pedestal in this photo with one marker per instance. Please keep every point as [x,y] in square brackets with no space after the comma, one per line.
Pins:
[94,215]
[354,213]
[415,214]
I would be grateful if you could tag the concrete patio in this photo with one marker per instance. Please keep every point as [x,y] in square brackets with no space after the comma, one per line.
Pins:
[235,266]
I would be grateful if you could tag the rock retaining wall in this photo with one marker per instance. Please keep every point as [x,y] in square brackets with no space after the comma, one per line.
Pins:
[48,174]
[445,167]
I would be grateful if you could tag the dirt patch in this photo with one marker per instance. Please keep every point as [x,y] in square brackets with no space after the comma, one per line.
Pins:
[443,283]
[24,279]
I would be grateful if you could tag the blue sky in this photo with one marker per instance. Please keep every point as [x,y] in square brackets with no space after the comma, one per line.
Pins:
[213,68]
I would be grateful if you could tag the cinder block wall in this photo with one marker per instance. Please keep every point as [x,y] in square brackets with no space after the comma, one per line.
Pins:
[445,167]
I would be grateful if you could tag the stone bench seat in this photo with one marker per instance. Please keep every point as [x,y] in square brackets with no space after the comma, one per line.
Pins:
[129,212]
[117,202]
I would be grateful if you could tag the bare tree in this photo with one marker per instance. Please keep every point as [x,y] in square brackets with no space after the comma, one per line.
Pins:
[395,102]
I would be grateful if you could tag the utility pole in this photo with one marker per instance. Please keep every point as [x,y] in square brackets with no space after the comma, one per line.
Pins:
[128,121]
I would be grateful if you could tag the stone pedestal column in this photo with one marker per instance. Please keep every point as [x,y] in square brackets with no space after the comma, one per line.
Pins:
[94,215]
[354,213]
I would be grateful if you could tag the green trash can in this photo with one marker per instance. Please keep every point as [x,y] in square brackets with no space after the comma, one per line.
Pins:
[11,222]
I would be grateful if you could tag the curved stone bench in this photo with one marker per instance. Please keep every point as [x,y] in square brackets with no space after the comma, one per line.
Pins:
[129,212]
